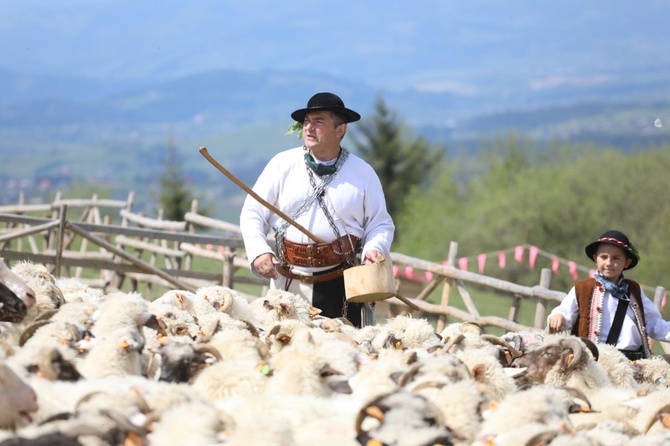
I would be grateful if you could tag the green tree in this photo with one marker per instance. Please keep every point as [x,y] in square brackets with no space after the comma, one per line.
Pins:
[400,160]
[175,196]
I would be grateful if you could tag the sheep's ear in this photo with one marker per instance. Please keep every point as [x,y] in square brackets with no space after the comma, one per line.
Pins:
[152,322]
[567,359]
[478,372]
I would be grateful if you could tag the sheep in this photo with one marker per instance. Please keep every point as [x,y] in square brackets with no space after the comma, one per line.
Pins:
[621,372]
[48,361]
[181,361]
[46,293]
[278,305]
[173,321]
[233,378]
[405,332]
[563,361]
[654,370]
[461,405]
[543,404]
[17,399]
[115,353]
[17,285]
[12,309]
[74,290]
[302,370]
[227,300]
[381,375]
[402,418]
[490,376]
[653,412]
[203,425]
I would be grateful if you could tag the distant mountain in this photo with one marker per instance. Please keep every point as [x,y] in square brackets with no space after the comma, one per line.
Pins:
[92,91]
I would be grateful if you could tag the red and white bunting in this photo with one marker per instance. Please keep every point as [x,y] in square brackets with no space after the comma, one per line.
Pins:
[532,256]
[481,263]
[502,259]
[518,253]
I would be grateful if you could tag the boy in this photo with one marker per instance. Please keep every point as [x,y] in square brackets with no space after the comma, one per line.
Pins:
[609,308]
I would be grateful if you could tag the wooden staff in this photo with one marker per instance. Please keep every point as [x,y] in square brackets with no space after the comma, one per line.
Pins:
[247,189]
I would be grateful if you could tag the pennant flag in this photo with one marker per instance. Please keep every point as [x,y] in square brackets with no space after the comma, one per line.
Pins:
[481,263]
[554,265]
[429,275]
[463,263]
[518,253]
[502,260]
[409,272]
[395,270]
[219,249]
[445,263]
[532,256]
[664,300]
[209,246]
[572,267]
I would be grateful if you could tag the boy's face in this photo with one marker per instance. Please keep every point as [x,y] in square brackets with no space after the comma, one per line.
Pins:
[611,261]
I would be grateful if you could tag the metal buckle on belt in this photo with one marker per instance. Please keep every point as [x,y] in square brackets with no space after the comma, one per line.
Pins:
[311,280]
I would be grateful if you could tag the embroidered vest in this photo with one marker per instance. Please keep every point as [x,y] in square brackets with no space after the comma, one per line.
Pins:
[590,300]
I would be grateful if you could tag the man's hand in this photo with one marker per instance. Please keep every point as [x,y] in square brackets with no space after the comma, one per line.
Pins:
[372,256]
[266,265]
[556,323]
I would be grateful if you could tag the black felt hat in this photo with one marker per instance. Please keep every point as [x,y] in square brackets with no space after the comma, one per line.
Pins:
[326,101]
[615,238]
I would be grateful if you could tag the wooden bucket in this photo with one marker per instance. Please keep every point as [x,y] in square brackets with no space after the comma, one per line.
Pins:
[368,283]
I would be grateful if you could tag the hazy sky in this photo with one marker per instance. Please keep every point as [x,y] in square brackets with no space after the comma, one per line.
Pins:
[430,44]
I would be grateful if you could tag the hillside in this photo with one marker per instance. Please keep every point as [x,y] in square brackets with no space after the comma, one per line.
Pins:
[92,91]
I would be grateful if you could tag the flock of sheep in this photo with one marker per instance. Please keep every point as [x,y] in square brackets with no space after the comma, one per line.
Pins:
[80,367]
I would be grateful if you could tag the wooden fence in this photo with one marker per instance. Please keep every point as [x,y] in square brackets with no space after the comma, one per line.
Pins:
[154,251]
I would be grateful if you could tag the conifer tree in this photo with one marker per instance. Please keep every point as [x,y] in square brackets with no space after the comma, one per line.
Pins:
[400,160]
[175,196]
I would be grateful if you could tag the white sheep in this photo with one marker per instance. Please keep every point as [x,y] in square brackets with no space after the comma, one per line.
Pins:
[278,305]
[120,310]
[17,285]
[195,422]
[233,378]
[118,352]
[407,333]
[17,399]
[544,404]
[227,300]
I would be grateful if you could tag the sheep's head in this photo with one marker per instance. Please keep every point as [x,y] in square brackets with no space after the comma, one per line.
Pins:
[181,361]
[565,354]
[12,309]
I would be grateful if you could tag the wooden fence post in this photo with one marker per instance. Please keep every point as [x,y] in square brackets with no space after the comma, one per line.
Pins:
[446,290]
[61,241]
[541,308]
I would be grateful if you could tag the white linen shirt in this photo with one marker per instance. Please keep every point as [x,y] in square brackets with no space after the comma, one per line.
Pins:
[630,338]
[354,197]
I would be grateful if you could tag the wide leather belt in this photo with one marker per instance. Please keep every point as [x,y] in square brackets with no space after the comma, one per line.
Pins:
[285,271]
[317,255]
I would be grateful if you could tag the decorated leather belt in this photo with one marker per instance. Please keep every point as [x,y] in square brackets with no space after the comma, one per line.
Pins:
[285,270]
[317,255]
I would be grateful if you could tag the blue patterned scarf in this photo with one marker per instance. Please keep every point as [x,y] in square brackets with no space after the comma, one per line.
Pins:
[619,291]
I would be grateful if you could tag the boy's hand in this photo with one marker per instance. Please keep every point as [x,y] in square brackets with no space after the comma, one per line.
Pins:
[556,323]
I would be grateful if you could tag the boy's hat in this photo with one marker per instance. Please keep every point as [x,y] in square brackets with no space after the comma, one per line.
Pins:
[615,238]
[326,101]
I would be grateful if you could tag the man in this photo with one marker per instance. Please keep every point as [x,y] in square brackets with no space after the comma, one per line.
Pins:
[330,192]
[608,308]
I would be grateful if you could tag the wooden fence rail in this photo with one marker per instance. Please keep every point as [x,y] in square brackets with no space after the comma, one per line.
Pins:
[119,252]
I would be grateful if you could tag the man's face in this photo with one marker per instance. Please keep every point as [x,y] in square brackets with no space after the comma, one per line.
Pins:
[320,133]
[611,261]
